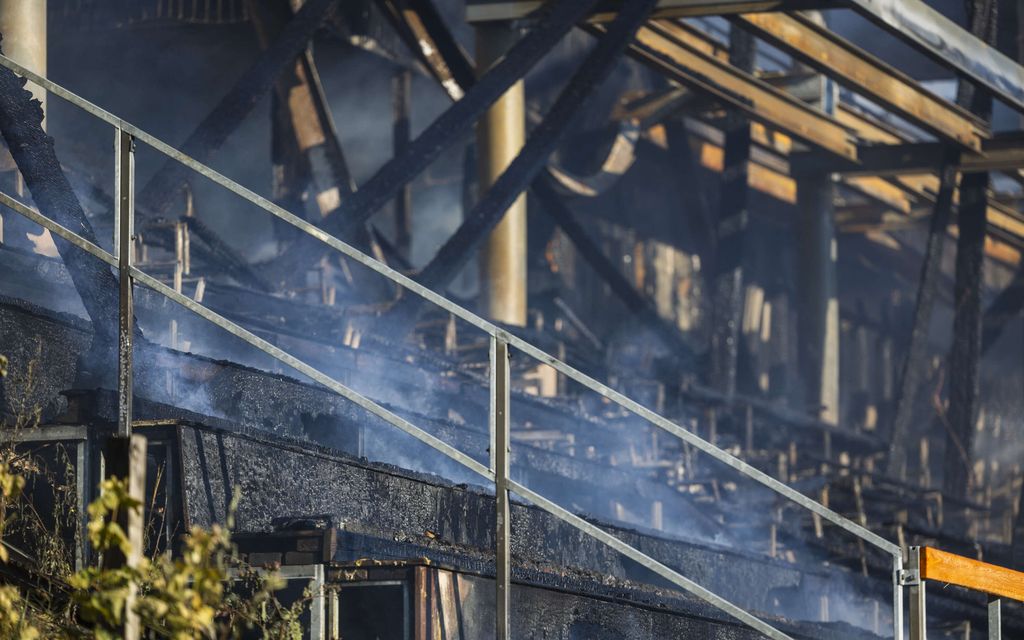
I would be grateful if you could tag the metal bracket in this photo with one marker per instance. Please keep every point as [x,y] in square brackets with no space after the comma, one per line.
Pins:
[910,577]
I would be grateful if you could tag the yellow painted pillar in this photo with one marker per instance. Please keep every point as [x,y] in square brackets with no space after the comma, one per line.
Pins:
[23,25]
[500,135]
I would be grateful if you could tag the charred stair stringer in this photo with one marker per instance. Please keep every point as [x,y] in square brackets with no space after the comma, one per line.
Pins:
[21,119]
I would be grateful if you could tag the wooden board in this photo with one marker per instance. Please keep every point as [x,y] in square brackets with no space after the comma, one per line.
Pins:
[973,574]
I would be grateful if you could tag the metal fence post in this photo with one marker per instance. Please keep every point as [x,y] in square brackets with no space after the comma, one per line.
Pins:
[499,464]
[124,231]
[918,630]
[995,618]
[897,596]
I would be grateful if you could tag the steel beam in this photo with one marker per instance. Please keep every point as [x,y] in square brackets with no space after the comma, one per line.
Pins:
[445,131]
[943,40]
[858,70]
[664,46]
[544,139]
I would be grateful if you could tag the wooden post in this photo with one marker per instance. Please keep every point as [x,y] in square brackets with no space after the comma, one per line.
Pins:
[731,235]
[125,458]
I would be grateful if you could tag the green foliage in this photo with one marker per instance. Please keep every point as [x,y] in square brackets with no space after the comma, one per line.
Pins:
[203,593]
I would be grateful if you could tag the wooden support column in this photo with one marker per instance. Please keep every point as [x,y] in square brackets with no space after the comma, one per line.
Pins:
[731,235]
[501,134]
[965,355]
[916,361]
[818,290]
[125,458]
[401,93]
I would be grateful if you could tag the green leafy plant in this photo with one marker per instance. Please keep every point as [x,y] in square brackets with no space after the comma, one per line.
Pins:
[203,592]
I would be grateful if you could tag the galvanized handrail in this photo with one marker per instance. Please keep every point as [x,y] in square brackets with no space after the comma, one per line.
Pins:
[501,340]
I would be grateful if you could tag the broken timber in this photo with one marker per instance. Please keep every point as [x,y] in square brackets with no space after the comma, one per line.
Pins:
[446,130]
[533,157]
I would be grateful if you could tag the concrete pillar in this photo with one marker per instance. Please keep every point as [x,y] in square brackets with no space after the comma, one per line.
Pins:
[23,25]
[500,135]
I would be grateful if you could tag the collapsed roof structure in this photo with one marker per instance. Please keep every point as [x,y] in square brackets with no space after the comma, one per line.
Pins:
[699,257]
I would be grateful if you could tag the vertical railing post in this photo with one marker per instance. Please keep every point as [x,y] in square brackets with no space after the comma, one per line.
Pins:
[915,582]
[499,465]
[995,618]
[124,232]
[897,596]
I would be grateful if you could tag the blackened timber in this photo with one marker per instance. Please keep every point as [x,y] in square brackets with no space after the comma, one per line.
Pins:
[551,204]
[446,130]
[818,291]
[224,255]
[544,139]
[965,355]
[727,281]
[1007,306]
[159,195]
[816,46]
[424,32]
[401,88]
[21,119]
[917,350]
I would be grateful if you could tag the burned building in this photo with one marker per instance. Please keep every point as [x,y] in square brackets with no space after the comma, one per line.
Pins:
[564,319]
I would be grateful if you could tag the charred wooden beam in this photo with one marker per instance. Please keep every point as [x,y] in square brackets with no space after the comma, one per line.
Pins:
[1002,152]
[681,54]
[544,139]
[730,237]
[161,192]
[1003,310]
[419,25]
[818,296]
[400,134]
[446,130]
[965,355]
[916,359]
[32,149]
[490,10]
[816,46]
[551,204]
[299,94]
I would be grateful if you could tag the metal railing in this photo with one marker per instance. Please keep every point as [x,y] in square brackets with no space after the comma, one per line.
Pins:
[498,469]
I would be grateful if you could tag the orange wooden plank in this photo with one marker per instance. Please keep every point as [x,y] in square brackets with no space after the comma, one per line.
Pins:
[973,574]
